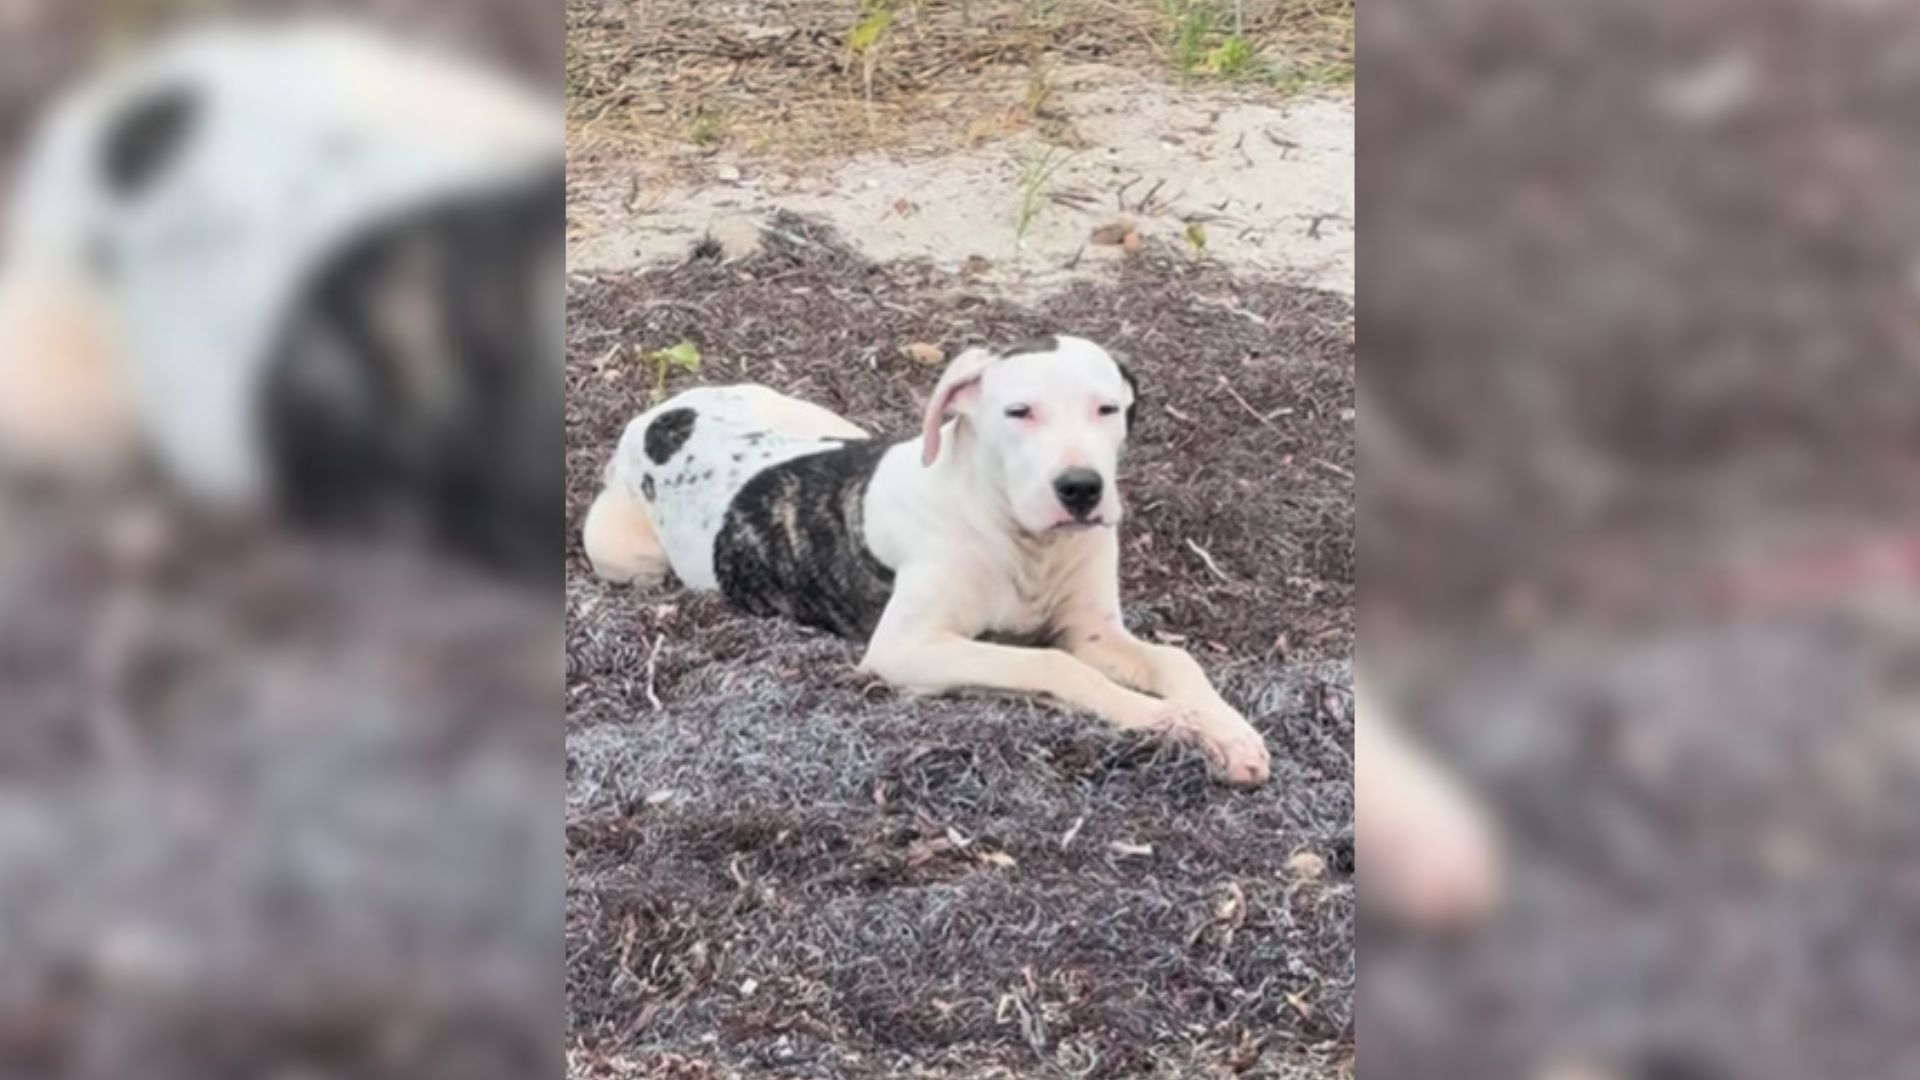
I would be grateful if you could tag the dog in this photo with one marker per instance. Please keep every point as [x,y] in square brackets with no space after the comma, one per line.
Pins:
[998,524]
[297,265]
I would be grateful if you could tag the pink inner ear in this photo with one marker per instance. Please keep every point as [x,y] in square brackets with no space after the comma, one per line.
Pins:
[930,424]
[964,372]
[943,399]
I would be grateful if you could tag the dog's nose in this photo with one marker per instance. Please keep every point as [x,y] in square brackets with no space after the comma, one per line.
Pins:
[1079,491]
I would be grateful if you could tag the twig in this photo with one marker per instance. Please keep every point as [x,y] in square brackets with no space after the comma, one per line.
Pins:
[1141,206]
[1211,565]
[653,656]
[1235,394]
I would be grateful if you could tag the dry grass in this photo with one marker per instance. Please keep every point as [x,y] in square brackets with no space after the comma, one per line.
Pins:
[793,79]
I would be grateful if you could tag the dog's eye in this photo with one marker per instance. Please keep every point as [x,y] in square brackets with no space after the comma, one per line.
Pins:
[1020,412]
[1109,410]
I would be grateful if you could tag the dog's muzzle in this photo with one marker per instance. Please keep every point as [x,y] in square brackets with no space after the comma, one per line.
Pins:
[1079,490]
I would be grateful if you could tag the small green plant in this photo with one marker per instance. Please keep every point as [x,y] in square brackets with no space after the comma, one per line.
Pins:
[1035,172]
[1033,12]
[709,128]
[685,356]
[1189,24]
[1233,58]
[867,39]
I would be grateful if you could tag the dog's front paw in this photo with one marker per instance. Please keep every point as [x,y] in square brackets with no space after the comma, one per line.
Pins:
[1236,750]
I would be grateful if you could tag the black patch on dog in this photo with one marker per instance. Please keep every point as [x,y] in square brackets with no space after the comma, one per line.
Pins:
[668,433]
[1133,384]
[646,487]
[452,433]
[792,543]
[146,136]
[1047,344]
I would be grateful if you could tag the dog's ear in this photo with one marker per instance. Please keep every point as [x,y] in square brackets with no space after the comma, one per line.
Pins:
[949,395]
[1133,384]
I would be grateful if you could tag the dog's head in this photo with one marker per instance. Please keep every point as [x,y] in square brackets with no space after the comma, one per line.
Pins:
[1046,420]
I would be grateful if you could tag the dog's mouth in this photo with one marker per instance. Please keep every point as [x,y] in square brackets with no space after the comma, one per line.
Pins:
[1075,525]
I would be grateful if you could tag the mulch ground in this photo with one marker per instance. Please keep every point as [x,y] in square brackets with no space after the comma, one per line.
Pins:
[776,867]
[1640,316]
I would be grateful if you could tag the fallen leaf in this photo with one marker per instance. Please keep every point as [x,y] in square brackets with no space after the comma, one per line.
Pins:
[924,353]
[1306,866]
[1113,233]
[998,858]
[1232,906]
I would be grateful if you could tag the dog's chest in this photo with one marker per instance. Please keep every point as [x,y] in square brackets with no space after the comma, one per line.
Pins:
[1020,592]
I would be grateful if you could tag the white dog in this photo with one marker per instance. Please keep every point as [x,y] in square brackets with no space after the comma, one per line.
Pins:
[999,521]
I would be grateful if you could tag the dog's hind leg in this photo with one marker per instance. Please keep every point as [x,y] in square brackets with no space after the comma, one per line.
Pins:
[621,541]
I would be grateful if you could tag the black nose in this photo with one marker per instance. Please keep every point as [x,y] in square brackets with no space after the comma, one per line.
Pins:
[1079,491]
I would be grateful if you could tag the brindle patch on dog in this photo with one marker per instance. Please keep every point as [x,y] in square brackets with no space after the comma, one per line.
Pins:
[792,543]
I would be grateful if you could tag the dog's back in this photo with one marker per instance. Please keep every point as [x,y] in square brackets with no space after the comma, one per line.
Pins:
[686,462]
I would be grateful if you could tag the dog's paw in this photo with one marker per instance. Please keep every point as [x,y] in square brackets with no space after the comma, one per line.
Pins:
[1237,752]
[1432,855]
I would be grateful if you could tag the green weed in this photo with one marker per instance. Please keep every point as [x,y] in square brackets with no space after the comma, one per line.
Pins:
[685,356]
[1035,172]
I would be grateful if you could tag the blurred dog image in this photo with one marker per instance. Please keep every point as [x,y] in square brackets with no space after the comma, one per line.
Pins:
[297,265]
[1430,854]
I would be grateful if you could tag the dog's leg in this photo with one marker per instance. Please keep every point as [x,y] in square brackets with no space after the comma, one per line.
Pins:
[66,408]
[1430,855]
[621,541]
[913,651]
[1169,672]
[1093,631]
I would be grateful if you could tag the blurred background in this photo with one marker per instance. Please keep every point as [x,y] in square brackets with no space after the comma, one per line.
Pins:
[1642,329]
[271,804]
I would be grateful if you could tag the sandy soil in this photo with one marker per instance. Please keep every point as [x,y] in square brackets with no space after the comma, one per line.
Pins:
[1270,184]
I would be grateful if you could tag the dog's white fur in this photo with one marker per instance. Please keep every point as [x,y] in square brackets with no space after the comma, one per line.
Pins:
[631,537]
[1429,853]
[966,518]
